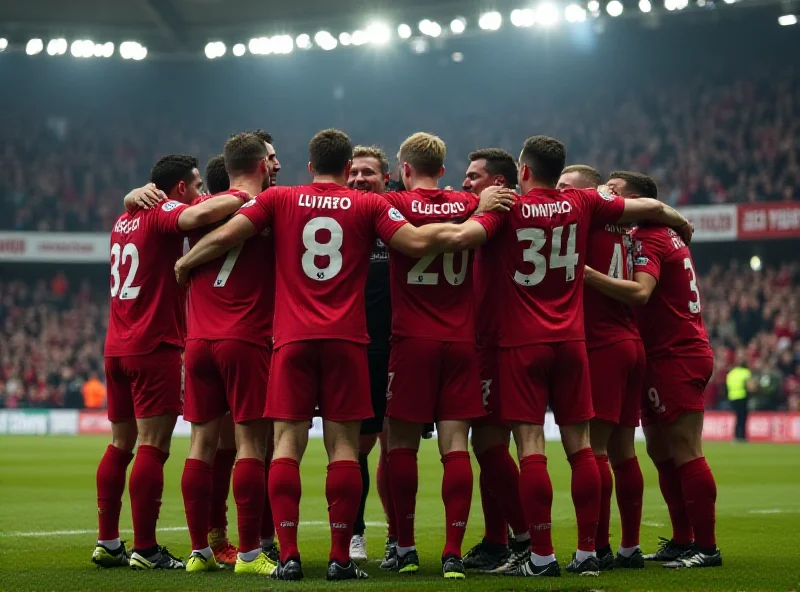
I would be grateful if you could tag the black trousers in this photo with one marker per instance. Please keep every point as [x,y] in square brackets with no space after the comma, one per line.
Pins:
[740,408]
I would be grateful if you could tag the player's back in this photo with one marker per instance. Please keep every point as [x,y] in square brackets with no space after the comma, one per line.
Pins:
[233,297]
[147,304]
[609,250]
[432,295]
[671,322]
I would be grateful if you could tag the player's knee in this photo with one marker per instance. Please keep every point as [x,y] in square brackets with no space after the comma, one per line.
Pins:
[204,443]
[686,445]
[404,434]
[290,439]
[156,431]
[124,435]
[575,437]
[529,439]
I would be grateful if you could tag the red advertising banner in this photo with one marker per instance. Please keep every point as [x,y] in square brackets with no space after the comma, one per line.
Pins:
[93,422]
[773,220]
[762,426]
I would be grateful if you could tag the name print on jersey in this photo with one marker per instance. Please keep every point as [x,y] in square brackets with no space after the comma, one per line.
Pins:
[324,202]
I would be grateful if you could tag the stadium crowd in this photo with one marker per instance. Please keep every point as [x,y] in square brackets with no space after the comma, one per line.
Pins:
[706,141]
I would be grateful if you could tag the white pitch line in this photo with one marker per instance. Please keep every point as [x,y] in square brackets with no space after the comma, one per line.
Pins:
[51,533]
[774,511]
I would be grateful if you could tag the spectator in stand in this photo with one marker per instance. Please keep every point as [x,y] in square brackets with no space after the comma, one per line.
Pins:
[94,393]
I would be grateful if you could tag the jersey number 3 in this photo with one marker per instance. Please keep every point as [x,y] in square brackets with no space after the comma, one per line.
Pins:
[120,255]
[538,239]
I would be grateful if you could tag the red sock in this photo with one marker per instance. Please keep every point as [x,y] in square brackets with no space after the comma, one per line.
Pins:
[110,487]
[284,497]
[146,486]
[267,521]
[503,477]
[403,481]
[457,497]
[630,490]
[495,529]
[221,479]
[385,493]
[197,483]
[249,489]
[669,479]
[700,493]
[343,491]
[585,496]
[536,491]
[606,487]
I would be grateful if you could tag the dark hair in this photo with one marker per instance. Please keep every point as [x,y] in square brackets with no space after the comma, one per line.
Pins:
[329,152]
[243,152]
[590,175]
[545,157]
[264,136]
[498,162]
[171,170]
[637,183]
[217,179]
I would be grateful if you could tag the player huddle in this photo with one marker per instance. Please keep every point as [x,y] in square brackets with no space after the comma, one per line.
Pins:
[484,308]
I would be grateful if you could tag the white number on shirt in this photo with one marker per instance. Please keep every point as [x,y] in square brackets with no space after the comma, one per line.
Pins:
[121,255]
[420,277]
[227,266]
[538,238]
[615,270]
[316,249]
[694,305]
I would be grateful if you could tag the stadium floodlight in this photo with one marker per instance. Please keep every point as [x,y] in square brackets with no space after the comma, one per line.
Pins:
[379,33]
[645,6]
[215,49]
[614,8]
[490,21]
[282,44]
[523,17]
[132,50]
[681,4]
[3,43]
[670,4]
[787,20]
[755,263]
[457,57]
[575,13]
[593,6]
[108,50]
[325,40]
[239,49]
[56,47]
[359,37]
[303,41]
[430,28]
[458,25]
[34,46]
[140,53]
[729,1]
[404,31]
[345,38]
[82,48]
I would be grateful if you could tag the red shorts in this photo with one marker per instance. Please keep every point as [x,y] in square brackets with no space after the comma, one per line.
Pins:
[674,386]
[332,374]
[535,375]
[225,375]
[432,380]
[490,385]
[617,374]
[144,386]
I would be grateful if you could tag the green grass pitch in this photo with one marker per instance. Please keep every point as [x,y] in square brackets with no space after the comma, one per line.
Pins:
[47,486]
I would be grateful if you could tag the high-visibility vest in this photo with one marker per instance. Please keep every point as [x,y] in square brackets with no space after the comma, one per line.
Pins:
[736,381]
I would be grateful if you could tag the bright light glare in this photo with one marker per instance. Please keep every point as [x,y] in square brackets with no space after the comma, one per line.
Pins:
[593,6]
[457,26]
[574,13]
[681,4]
[490,21]
[547,14]
[325,40]
[729,1]
[457,57]
[57,47]
[379,33]
[108,49]
[132,50]
[239,49]
[359,37]
[260,46]
[787,20]
[303,41]
[614,8]
[670,4]
[282,44]
[82,48]
[404,31]
[140,54]
[3,43]
[215,49]
[345,38]
[430,28]
[645,5]
[34,46]
[523,17]
[755,263]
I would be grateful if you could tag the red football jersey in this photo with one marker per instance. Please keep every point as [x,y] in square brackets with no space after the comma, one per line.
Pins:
[608,321]
[324,234]
[147,304]
[233,297]
[488,276]
[670,323]
[540,293]
[432,295]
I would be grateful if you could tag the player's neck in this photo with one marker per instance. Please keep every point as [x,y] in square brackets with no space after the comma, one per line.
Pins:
[251,187]
[422,183]
[337,180]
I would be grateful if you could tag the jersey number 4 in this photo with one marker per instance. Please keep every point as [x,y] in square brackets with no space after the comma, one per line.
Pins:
[538,239]
[121,255]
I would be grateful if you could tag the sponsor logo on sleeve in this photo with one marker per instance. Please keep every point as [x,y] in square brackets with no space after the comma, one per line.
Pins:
[394,214]
[170,205]
[640,261]
[605,193]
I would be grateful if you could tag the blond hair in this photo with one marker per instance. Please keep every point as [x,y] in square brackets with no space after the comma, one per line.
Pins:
[424,152]
[373,152]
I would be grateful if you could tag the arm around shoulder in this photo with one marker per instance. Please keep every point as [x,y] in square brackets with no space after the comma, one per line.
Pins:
[438,238]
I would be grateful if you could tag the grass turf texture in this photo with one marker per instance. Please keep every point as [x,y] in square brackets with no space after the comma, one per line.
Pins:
[47,484]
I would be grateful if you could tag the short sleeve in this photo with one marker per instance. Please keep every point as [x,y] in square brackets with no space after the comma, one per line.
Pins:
[386,218]
[648,252]
[492,222]
[605,207]
[259,210]
[166,216]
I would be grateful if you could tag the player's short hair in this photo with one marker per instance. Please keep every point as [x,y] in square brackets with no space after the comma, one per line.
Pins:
[264,136]
[545,156]
[217,179]
[243,152]
[171,170]
[329,152]
[498,162]
[589,174]
[637,183]
[373,152]
[424,152]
